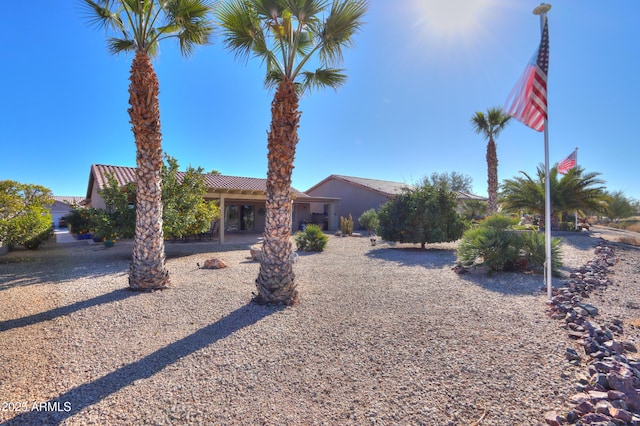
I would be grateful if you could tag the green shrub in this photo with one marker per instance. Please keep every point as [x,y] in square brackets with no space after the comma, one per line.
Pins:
[78,221]
[494,245]
[346,225]
[567,226]
[369,220]
[311,239]
[423,215]
[487,246]
[535,251]
[35,242]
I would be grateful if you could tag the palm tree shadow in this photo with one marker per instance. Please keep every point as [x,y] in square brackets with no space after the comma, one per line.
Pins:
[115,295]
[80,397]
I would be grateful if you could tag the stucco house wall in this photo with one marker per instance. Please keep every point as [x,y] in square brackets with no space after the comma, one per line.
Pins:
[353,200]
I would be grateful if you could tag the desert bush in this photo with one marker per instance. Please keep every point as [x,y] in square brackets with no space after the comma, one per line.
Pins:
[534,251]
[423,215]
[495,246]
[369,220]
[311,239]
[490,247]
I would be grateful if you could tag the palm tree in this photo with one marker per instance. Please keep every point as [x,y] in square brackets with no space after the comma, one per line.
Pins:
[288,35]
[139,25]
[490,126]
[574,191]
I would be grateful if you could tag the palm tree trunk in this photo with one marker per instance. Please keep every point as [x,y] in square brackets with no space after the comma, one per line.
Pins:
[492,176]
[276,280]
[148,269]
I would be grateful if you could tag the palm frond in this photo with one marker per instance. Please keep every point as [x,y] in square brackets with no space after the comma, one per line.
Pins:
[268,9]
[241,28]
[490,124]
[344,20]
[305,11]
[119,45]
[188,21]
[101,15]
[323,77]
[273,78]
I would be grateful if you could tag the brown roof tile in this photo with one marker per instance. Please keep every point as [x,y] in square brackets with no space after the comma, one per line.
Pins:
[215,183]
[68,199]
[385,187]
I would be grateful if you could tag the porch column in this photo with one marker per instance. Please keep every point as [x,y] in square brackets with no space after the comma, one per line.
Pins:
[222,225]
[332,224]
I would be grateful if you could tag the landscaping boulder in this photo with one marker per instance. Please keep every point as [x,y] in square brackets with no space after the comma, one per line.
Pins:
[214,264]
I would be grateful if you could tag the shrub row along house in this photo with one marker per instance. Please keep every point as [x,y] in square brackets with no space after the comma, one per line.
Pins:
[242,199]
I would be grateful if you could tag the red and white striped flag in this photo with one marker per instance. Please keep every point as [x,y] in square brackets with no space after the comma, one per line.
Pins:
[567,164]
[527,102]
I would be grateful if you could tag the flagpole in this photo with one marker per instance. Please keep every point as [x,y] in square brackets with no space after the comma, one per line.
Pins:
[576,226]
[542,10]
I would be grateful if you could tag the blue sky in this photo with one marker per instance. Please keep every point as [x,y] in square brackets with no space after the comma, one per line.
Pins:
[417,73]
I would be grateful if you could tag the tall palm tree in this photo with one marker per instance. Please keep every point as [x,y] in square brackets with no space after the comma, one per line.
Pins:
[288,35]
[138,27]
[490,125]
[574,191]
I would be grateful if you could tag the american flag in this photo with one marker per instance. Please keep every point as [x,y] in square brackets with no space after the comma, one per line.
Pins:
[527,102]
[567,164]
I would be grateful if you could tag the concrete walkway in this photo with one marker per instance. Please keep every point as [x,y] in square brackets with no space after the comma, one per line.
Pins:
[63,236]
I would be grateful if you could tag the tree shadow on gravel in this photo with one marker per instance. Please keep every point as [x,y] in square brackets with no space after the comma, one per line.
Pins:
[508,283]
[415,256]
[113,296]
[179,249]
[75,400]
[52,265]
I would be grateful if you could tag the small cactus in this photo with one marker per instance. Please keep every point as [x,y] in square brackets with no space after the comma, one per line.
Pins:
[346,225]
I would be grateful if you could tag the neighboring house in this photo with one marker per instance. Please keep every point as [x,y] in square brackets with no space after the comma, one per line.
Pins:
[241,200]
[62,206]
[358,194]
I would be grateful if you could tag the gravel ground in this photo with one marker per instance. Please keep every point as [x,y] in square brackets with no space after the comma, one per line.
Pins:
[384,334]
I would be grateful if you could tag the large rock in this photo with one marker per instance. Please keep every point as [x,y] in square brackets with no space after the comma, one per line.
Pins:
[256,253]
[214,264]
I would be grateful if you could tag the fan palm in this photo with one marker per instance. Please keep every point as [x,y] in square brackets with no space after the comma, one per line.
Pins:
[138,27]
[490,125]
[574,191]
[288,36]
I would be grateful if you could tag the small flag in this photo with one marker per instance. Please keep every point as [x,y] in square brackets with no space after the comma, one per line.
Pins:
[527,101]
[567,164]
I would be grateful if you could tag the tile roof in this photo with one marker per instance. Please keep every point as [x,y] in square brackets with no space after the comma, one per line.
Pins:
[68,199]
[384,187]
[215,183]
[469,196]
